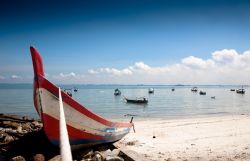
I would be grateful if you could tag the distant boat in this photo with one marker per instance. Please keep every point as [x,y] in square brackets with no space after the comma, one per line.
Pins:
[75,89]
[240,91]
[141,100]
[202,93]
[172,89]
[194,89]
[68,91]
[213,97]
[232,89]
[85,128]
[151,90]
[117,92]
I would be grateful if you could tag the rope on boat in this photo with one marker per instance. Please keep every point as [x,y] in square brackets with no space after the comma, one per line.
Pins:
[64,138]
[131,121]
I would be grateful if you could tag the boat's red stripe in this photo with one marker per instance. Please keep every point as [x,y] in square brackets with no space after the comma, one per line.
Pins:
[37,62]
[43,83]
[51,127]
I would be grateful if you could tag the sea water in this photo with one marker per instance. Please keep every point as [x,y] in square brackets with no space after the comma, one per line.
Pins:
[163,103]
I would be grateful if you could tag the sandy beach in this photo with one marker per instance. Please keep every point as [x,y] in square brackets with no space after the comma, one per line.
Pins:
[206,138]
[191,139]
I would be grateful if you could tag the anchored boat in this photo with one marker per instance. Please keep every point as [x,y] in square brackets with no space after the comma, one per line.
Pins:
[85,128]
[202,93]
[240,91]
[194,89]
[117,92]
[151,90]
[141,100]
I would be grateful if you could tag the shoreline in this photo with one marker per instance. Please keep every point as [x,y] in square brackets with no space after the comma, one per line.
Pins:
[178,117]
[198,138]
[125,117]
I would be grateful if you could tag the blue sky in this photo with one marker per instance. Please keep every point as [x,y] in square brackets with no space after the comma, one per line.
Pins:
[127,42]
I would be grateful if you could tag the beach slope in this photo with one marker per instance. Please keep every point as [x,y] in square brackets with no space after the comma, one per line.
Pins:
[198,138]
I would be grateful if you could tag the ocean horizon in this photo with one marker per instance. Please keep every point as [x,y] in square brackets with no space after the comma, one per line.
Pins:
[30,85]
[164,103]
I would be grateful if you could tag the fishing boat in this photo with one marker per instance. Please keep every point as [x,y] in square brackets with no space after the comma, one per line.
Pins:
[151,90]
[240,91]
[117,92]
[85,128]
[202,93]
[68,91]
[140,100]
[194,89]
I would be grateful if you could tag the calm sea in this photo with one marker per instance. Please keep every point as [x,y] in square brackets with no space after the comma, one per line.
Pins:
[164,103]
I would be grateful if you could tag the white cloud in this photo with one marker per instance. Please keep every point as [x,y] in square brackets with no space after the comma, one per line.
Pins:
[111,71]
[224,67]
[15,77]
[197,63]
[70,75]
[141,66]
[225,55]
[126,72]
[67,77]
[91,71]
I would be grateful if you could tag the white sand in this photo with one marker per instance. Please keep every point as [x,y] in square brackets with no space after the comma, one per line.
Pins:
[210,138]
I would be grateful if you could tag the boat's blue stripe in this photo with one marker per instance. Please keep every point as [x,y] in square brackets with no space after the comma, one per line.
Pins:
[92,141]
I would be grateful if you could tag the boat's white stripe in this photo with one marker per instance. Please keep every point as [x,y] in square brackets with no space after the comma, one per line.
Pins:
[73,117]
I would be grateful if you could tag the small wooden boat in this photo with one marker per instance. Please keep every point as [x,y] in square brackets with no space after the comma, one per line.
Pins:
[141,100]
[85,128]
[194,89]
[240,91]
[68,91]
[117,92]
[151,90]
[202,93]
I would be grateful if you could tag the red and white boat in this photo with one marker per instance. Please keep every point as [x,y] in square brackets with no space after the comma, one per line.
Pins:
[85,128]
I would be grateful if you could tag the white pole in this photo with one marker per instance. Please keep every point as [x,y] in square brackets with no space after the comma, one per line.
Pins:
[64,138]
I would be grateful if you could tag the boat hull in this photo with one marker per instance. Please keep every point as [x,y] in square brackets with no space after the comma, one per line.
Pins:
[85,128]
[137,101]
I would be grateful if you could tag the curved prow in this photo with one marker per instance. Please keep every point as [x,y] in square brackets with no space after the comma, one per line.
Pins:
[37,62]
[38,71]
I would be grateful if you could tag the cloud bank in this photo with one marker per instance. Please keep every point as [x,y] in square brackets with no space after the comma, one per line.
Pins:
[225,66]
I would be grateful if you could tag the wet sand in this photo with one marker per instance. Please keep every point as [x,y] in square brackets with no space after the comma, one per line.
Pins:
[224,138]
